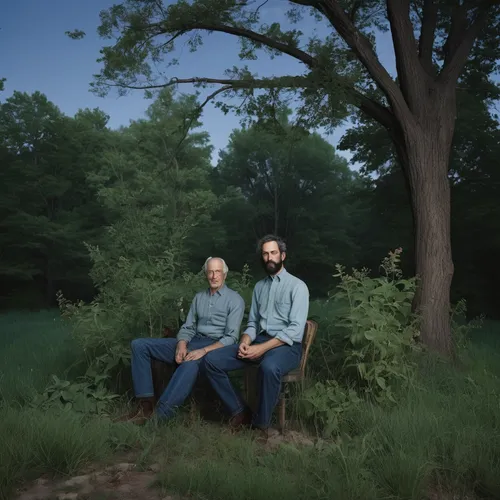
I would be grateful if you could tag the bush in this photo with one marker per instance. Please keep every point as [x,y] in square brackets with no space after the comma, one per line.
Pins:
[373,317]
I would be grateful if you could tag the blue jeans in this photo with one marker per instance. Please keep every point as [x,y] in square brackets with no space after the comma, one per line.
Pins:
[183,380]
[274,364]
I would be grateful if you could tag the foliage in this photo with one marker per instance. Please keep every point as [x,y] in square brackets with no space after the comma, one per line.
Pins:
[47,209]
[376,315]
[156,195]
[82,397]
[375,319]
[461,327]
[290,182]
[326,404]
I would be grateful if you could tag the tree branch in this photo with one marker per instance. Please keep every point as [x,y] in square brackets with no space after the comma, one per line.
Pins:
[457,29]
[295,52]
[405,49]
[427,34]
[372,108]
[363,49]
[461,40]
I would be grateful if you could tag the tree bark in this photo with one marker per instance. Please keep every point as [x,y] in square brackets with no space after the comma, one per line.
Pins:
[426,163]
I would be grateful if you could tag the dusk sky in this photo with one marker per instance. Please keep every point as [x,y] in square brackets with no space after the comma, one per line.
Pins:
[37,55]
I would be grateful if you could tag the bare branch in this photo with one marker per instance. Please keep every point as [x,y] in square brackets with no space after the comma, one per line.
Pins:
[427,34]
[264,83]
[261,5]
[372,108]
[196,113]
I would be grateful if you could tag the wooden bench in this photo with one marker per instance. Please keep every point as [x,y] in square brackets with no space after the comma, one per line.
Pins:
[296,376]
[205,396]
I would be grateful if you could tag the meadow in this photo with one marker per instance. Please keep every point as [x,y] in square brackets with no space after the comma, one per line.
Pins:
[440,440]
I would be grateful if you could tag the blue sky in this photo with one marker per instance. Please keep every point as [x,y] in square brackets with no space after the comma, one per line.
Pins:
[35,54]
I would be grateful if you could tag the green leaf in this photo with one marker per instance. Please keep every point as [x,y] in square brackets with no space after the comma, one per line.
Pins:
[381,382]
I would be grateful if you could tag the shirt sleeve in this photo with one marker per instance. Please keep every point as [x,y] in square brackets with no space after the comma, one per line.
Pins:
[298,316]
[188,329]
[233,322]
[253,317]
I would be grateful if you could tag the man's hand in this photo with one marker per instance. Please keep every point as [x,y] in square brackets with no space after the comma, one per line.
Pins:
[180,351]
[196,354]
[242,350]
[251,352]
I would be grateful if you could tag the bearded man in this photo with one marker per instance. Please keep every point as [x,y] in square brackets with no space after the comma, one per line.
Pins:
[273,339]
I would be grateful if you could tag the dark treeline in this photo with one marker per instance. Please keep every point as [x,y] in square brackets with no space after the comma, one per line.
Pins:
[72,190]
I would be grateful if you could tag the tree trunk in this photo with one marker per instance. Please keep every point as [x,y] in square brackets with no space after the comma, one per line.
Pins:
[427,161]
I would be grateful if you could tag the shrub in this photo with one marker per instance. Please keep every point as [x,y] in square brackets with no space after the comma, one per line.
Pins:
[373,317]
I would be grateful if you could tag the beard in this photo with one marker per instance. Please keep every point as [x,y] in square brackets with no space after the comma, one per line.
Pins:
[272,267]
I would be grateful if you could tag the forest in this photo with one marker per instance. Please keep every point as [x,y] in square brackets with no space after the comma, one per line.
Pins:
[104,232]
[74,191]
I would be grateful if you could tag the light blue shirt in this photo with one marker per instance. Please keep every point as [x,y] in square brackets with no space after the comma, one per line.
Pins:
[217,316]
[280,305]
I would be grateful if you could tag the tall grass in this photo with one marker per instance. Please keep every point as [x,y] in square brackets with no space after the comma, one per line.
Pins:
[442,439]
[34,442]
[33,345]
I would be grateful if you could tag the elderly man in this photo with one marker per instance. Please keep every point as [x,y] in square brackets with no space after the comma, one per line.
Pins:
[213,322]
[273,338]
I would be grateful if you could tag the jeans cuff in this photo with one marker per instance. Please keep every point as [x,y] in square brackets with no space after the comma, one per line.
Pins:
[164,411]
[145,395]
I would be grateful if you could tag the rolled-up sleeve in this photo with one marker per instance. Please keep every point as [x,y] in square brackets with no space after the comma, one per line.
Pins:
[233,322]
[297,317]
[188,329]
[253,317]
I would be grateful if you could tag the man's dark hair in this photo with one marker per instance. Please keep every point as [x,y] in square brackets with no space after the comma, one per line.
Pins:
[267,239]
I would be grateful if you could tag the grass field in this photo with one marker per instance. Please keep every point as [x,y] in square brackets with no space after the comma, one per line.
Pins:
[442,440]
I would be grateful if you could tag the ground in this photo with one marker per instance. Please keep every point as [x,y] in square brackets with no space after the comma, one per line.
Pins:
[126,480]
[439,441]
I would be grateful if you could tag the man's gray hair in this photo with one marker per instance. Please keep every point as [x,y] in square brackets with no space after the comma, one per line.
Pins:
[224,265]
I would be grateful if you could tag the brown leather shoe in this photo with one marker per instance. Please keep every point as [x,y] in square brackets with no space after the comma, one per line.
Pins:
[141,414]
[242,419]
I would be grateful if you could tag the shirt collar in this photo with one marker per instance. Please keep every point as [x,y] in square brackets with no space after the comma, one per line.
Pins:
[279,276]
[218,292]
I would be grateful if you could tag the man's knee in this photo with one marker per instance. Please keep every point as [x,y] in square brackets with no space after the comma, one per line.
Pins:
[137,345]
[209,361]
[212,360]
[268,368]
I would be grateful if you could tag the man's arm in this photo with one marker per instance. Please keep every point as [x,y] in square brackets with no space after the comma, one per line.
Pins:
[253,321]
[292,333]
[231,332]
[297,317]
[233,322]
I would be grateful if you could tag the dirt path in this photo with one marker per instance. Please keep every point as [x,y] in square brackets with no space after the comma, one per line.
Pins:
[125,481]
[122,481]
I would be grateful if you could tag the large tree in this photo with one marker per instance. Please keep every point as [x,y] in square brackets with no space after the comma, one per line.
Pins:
[434,41]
